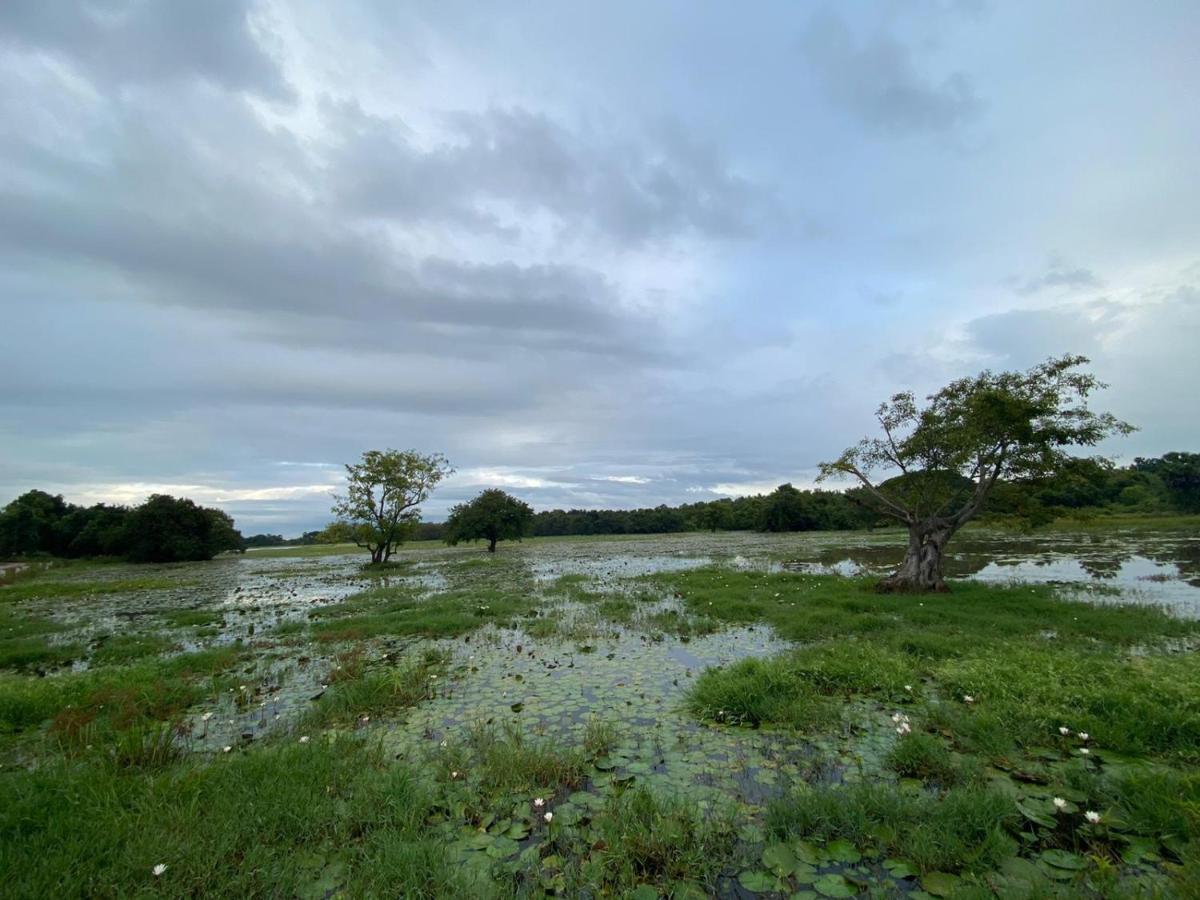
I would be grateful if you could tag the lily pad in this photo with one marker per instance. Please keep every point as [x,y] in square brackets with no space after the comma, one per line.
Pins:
[940,884]
[833,885]
[779,859]
[1064,859]
[758,881]
[843,851]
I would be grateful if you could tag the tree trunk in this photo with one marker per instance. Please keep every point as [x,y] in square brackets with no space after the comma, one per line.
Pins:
[921,571]
[377,554]
[491,545]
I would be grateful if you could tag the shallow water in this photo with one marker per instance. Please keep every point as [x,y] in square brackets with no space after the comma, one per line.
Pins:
[630,674]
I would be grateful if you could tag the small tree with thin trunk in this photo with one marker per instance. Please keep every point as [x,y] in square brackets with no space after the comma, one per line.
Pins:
[493,516]
[946,457]
[383,493]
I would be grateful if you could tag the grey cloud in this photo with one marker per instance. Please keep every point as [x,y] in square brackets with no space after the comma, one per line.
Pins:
[116,42]
[878,81]
[1059,275]
[620,190]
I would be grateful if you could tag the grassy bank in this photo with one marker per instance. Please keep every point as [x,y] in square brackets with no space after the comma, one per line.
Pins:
[407,731]
[1002,699]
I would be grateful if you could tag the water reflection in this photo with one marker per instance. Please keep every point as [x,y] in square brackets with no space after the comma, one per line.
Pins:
[1143,567]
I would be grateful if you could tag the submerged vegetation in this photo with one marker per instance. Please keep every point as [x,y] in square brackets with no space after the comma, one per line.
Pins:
[677,717]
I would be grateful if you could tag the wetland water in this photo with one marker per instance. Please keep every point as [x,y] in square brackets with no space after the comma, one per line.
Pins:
[592,641]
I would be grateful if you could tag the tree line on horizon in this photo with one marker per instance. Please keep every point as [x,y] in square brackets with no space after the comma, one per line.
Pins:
[162,529]
[166,529]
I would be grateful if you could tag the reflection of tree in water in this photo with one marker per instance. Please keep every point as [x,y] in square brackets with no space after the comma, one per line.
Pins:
[1107,566]
[1184,554]
[1101,556]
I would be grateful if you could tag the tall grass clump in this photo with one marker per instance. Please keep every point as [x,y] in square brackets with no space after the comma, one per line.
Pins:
[962,829]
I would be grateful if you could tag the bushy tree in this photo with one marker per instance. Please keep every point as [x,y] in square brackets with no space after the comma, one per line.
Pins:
[492,516]
[30,524]
[168,529]
[383,495]
[949,454]
[1180,473]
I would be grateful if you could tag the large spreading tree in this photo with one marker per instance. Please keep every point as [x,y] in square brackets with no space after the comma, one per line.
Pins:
[934,466]
[493,516]
[383,495]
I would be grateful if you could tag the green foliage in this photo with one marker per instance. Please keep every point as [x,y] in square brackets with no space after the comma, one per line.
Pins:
[926,757]
[165,529]
[754,691]
[492,516]
[383,495]
[647,839]
[948,455]
[356,691]
[344,816]
[1180,473]
[961,829]
[400,611]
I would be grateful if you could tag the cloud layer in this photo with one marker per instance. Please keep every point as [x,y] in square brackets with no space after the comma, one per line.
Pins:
[610,256]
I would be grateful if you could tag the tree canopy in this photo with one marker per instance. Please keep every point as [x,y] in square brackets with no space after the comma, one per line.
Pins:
[383,494]
[163,529]
[492,516]
[946,457]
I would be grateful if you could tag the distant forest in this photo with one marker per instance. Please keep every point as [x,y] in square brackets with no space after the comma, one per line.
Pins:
[1167,484]
[165,529]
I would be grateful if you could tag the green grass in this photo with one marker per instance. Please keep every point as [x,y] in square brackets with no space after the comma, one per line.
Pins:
[26,653]
[816,607]
[356,690]
[48,586]
[400,611]
[126,648]
[965,829]
[648,839]
[76,705]
[345,817]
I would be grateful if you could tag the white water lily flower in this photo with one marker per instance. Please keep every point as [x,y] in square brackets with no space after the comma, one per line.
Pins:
[967,698]
[1092,817]
[1083,735]
[549,817]
[454,774]
[1060,803]
[908,687]
[159,869]
[304,738]
[539,803]
[206,716]
[226,749]
[1085,751]
[1064,730]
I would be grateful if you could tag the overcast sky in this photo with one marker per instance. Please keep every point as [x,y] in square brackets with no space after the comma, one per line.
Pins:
[600,254]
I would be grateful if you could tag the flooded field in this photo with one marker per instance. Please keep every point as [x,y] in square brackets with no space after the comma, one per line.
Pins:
[566,643]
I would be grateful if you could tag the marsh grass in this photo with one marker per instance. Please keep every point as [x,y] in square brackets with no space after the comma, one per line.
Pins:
[401,611]
[963,829]
[344,818]
[121,649]
[48,585]
[187,618]
[503,762]
[358,688]
[112,698]
[927,758]
[642,838]
[820,607]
